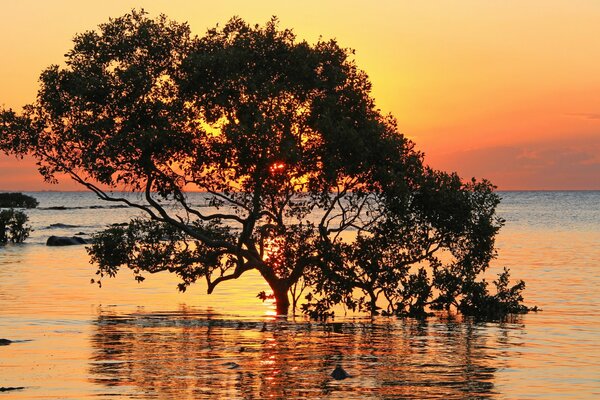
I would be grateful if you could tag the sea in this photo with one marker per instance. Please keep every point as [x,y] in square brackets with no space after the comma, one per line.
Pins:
[72,339]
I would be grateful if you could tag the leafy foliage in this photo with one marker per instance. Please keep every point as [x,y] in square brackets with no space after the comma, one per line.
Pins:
[479,302]
[13,226]
[306,181]
[146,246]
[17,200]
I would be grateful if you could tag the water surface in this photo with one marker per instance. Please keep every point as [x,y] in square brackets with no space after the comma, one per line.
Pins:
[146,341]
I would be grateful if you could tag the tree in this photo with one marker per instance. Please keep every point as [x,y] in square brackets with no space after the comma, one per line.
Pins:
[13,226]
[286,142]
[17,200]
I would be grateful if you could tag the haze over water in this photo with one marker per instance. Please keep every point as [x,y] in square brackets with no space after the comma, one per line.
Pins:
[77,341]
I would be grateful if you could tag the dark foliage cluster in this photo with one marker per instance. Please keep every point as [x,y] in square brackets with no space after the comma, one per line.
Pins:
[13,226]
[17,200]
[307,182]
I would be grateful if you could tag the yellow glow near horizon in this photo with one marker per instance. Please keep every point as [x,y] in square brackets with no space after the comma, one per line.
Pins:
[504,90]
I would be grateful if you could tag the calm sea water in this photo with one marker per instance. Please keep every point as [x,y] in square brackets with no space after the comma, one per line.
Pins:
[147,341]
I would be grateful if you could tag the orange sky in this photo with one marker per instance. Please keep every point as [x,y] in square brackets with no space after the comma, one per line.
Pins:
[506,90]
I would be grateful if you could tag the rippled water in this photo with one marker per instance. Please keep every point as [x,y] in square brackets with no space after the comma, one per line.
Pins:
[128,340]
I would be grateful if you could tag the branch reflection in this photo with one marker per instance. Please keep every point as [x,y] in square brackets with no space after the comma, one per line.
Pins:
[191,354]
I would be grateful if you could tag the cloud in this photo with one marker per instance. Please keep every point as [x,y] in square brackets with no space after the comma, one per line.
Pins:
[569,163]
[585,115]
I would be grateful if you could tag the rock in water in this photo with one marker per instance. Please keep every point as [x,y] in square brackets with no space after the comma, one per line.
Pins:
[65,241]
[339,373]
[61,226]
[8,389]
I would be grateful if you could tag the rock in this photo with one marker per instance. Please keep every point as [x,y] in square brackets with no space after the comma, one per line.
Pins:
[61,226]
[339,373]
[5,342]
[65,241]
[6,389]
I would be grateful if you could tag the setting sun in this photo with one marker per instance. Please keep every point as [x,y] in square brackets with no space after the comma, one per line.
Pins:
[299,200]
[478,86]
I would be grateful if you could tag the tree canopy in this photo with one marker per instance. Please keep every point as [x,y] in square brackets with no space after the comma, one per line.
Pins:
[17,200]
[13,226]
[306,181]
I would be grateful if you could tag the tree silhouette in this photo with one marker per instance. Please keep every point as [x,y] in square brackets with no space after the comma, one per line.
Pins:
[307,181]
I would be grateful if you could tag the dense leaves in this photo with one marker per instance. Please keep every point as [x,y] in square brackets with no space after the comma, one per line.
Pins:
[13,226]
[147,246]
[17,200]
[306,181]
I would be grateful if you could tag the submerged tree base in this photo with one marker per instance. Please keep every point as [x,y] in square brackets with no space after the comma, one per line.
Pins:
[471,298]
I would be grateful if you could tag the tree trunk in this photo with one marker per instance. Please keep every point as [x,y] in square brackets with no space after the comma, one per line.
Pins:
[373,303]
[282,302]
[280,289]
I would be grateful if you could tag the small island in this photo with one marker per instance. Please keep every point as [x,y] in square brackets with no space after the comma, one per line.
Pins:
[17,200]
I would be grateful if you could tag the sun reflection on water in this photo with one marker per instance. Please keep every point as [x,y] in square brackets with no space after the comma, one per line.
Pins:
[128,340]
[189,354]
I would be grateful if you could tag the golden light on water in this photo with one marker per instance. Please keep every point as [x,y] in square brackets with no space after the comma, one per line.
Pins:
[277,167]
[147,339]
[490,89]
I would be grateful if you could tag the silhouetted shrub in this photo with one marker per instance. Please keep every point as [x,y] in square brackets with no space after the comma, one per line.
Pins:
[17,200]
[13,226]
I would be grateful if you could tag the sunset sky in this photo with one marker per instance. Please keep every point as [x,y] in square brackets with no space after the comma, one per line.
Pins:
[504,90]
